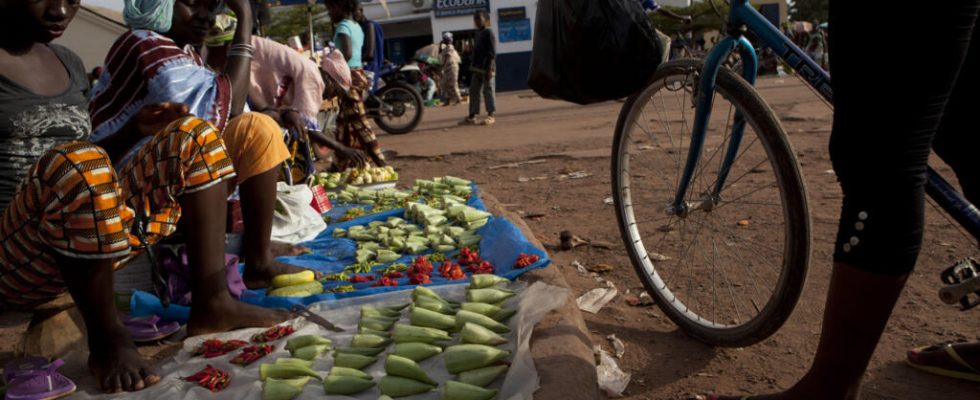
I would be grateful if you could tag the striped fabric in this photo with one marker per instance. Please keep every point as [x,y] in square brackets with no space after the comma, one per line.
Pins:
[145,67]
[353,128]
[72,203]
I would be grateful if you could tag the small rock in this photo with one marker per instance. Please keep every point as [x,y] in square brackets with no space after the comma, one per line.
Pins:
[645,299]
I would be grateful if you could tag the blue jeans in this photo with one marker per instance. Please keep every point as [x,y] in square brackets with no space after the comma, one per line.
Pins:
[479,83]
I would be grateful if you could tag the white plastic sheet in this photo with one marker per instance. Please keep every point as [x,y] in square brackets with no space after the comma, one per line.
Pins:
[521,381]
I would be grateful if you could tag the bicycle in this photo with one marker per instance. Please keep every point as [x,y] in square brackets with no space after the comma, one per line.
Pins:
[731,213]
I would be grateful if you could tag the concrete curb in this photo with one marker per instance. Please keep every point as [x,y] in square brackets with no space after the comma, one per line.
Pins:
[560,345]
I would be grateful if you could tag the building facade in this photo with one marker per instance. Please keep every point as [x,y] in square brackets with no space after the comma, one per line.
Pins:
[412,24]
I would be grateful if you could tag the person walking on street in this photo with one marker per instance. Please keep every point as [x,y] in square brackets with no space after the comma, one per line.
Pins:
[482,70]
[881,224]
[816,45]
[653,7]
[353,128]
[450,69]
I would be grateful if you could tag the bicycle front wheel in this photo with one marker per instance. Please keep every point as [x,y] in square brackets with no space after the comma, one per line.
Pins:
[730,270]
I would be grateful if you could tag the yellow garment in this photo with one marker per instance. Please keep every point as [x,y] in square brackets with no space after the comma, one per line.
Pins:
[255,144]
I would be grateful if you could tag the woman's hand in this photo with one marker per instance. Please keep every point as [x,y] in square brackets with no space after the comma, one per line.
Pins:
[355,156]
[152,118]
[292,120]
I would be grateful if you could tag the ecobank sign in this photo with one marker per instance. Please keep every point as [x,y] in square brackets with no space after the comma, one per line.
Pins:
[450,8]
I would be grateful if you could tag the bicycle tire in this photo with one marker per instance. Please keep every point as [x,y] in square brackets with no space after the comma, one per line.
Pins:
[785,168]
[416,100]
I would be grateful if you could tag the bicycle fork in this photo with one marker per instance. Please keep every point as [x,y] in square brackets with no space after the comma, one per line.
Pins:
[703,102]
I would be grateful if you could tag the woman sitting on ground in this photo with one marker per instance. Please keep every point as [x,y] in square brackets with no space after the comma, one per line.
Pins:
[68,213]
[156,62]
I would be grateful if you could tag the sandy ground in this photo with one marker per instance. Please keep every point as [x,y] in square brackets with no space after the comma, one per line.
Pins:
[665,363]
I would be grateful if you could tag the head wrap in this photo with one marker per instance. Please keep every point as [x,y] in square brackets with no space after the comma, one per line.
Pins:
[154,15]
[335,65]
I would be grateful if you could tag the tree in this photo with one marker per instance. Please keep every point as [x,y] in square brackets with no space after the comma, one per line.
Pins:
[294,20]
[809,10]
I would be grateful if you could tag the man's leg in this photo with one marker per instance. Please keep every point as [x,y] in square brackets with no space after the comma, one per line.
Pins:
[181,174]
[881,221]
[254,142]
[957,147]
[476,88]
[489,96]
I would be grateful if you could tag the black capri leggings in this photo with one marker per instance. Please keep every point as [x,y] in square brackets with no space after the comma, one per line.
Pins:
[900,89]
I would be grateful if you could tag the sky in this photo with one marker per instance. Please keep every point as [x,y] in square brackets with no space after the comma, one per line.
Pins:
[110,4]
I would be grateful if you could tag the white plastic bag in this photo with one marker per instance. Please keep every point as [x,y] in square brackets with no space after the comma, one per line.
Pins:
[612,380]
[295,220]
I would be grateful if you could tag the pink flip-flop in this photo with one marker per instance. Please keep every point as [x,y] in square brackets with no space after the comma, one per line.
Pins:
[35,378]
[145,329]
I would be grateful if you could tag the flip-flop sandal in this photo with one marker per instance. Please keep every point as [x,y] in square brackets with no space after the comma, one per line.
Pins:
[22,366]
[33,381]
[145,329]
[972,375]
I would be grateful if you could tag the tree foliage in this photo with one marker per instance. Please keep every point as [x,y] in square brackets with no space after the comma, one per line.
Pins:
[294,20]
[809,10]
[703,17]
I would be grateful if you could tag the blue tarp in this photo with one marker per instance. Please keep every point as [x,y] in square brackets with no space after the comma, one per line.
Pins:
[502,242]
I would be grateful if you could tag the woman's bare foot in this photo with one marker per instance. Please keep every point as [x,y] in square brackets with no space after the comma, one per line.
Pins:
[224,314]
[936,356]
[117,365]
[279,249]
[259,275]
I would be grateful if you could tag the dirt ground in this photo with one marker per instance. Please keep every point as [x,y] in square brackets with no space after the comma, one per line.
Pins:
[663,361]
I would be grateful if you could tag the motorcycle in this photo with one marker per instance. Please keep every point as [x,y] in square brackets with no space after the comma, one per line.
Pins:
[396,106]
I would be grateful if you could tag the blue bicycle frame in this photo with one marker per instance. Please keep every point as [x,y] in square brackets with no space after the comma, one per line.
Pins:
[744,16]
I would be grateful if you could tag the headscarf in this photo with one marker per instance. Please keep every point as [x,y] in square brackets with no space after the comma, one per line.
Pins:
[222,32]
[154,15]
[335,65]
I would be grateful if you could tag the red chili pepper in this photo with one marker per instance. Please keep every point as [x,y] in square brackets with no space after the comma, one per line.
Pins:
[210,377]
[215,347]
[418,279]
[483,267]
[361,278]
[456,273]
[421,266]
[468,257]
[386,280]
[525,260]
[251,354]
[273,334]
[394,275]
[451,271]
